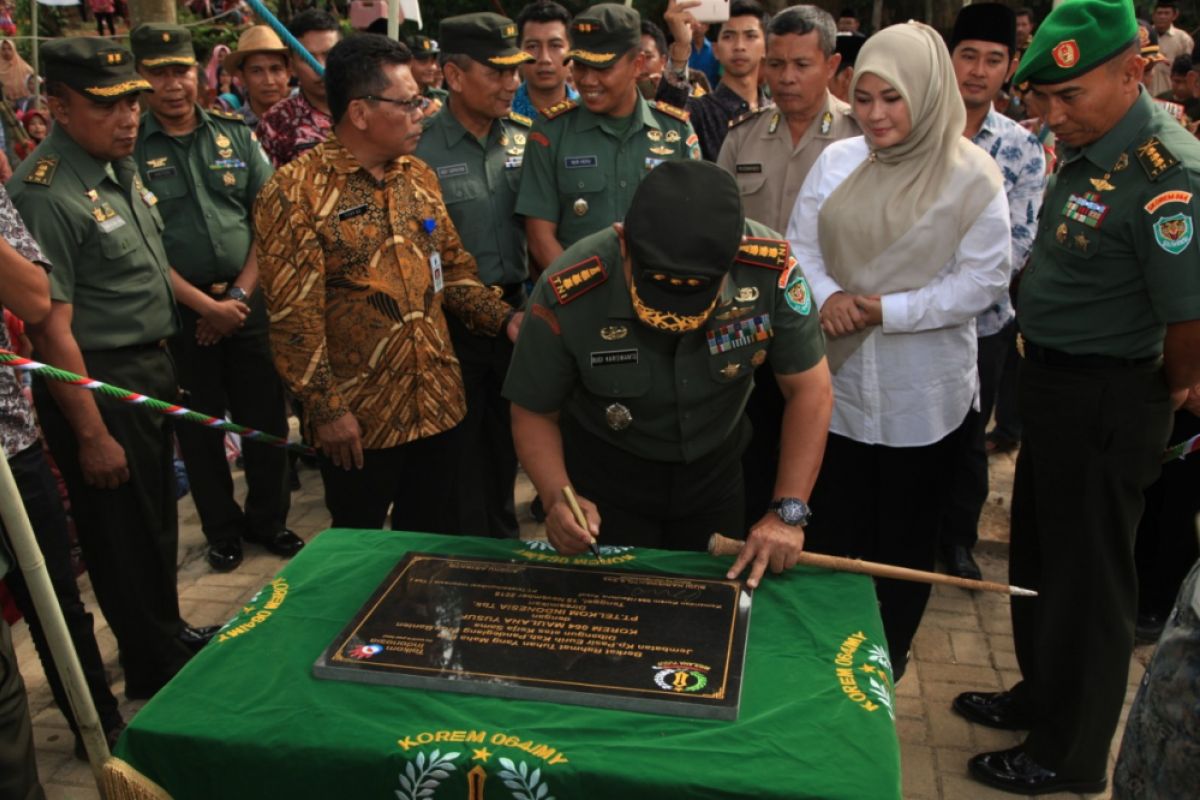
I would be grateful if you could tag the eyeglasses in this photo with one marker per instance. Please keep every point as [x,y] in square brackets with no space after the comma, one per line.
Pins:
[412,106]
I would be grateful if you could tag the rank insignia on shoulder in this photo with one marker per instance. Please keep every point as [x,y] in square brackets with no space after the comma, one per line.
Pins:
[578,279]
[520,119]
[43,171]
[1155,158]
[768,253]
[670,110]
[558,109]
[230,115]
[749,115]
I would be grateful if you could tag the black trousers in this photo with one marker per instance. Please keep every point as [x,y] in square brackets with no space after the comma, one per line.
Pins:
[669,505]
[1008,414]
[882,504]
[1166,538]
[129,535]
[235,375]
[487,459]
[1091,443]
[760,461]
[18,767]
[967,489]
[415,480]
[39,492]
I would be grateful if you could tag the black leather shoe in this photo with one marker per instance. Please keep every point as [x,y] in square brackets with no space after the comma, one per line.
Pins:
[196,638]
[1014,771]
[282,543]
[993,709]
[960,563]
[225,556]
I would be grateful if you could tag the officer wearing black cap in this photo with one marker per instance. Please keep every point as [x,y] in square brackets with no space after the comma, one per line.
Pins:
[205,168]
[585,159]
[111,313]
[1109,313]
[634,363]
[477,146]
[426,68]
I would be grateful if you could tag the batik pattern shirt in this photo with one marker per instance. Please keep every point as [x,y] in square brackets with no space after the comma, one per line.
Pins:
[291,127]
[17,428]
[356,272]
[1022,162]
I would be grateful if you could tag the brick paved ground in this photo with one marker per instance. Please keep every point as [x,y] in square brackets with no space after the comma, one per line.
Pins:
[964,643]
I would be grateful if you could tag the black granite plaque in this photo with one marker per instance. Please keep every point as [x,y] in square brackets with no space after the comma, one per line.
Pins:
[668,644]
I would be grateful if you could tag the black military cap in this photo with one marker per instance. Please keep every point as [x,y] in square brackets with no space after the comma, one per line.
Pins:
[986,22]
[422,46]
[683,230]
[157,44]
[92,66]
[486,37]
[848,45]
[603,33]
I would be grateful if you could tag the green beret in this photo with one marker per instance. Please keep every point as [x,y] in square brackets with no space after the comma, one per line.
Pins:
[156,44]
[1077,37]
[94,67]
[422,46]
[486,37]
[603,33]
[678,265]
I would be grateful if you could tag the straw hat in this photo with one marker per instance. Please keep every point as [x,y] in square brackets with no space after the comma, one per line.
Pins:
[258,39]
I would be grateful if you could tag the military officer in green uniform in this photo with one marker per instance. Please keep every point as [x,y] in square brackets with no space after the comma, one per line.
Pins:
[1109,313]
[205,168]
[477,145]
[633,366]
[112,310]
[426,69]
[585,160]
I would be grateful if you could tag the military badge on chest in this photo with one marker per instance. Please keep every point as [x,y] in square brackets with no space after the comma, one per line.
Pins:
[739,333]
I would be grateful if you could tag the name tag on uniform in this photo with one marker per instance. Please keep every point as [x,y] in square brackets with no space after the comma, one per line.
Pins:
[606,358]
[452,170]
[351,213]
[743,169]
[576,162]
[435,269]
[111,224]
[161,172]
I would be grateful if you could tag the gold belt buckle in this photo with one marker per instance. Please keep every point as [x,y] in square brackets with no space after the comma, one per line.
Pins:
[218,289]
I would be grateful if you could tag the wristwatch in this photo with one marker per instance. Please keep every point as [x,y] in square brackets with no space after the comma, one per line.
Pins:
[237,293]
[792,510]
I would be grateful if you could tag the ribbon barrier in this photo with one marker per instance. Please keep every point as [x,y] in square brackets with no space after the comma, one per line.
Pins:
[133,398]
[268,18]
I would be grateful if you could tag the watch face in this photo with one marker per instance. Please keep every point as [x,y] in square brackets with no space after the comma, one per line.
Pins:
[792,511]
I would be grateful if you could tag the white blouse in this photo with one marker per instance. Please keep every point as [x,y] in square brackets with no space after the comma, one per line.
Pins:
[914,378]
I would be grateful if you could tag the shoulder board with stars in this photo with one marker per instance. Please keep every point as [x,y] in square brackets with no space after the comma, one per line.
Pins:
[558,109]
[766,253]
[578,279]
[670,110]
[43,171]
[230,115]
[749,115]
[1155,158]
[520,119]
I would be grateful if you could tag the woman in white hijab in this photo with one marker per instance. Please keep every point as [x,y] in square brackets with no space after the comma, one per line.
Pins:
[903,234]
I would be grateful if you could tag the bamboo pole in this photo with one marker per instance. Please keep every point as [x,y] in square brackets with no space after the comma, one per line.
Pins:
[719,545]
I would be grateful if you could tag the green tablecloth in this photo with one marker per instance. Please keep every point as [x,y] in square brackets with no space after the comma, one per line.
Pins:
[246,718]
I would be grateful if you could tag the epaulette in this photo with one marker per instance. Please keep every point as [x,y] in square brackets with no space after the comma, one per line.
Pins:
[697,90]
[560,108]
[670,110]
[576,280]
[1155,158]
[43,171]
[234,116]
[520,119]
[766,253]
[749,115]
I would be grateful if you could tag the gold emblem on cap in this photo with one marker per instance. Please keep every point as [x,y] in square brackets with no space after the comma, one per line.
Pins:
[1065,54]
[618,417]
[580,207]
[747,294]
[611,333]
[730,369]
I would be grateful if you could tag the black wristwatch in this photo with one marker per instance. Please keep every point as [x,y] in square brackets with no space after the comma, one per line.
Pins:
[237,293]
[792,510]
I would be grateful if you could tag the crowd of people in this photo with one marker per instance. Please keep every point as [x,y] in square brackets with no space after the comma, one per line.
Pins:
[772,279]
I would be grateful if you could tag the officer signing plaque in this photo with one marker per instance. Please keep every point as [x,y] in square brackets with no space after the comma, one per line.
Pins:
[659,643]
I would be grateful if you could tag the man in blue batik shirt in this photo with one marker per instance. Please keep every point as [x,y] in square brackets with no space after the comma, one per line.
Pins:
[542,32]
[982,47]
